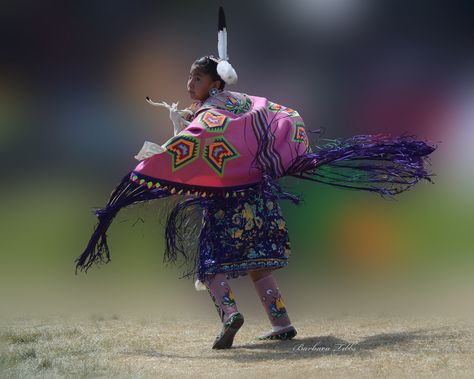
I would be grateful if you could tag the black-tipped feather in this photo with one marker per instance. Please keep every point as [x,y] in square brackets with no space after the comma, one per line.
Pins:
[221,24]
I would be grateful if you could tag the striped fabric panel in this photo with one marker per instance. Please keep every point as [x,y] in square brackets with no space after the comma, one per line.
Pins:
[267,157]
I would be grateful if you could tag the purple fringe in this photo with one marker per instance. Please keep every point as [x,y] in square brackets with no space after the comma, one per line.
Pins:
[126,193]
[184,227]
[377,163]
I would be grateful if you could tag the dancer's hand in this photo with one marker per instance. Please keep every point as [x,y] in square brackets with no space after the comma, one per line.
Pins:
[149,149]
[176,116]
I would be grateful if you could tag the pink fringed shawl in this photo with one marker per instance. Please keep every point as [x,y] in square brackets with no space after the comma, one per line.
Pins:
[219,147]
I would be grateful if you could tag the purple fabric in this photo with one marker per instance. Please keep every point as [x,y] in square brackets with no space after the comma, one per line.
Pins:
[242,234]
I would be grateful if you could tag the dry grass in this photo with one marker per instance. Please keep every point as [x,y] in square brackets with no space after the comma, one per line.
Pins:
[401,330]
[138,347]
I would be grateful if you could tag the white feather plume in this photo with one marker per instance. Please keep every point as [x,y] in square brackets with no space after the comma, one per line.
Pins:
[222,44]
[227,72]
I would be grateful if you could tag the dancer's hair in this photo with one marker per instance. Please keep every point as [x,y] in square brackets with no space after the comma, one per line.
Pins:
[208,65]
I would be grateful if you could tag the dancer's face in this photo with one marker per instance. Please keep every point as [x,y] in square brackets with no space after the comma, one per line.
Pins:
[200,83]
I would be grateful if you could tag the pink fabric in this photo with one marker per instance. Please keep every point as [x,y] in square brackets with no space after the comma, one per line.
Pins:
[222,296]
[239,132]
[270,297]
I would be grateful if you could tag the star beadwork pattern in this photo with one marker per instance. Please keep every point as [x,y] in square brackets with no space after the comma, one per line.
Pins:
[184,149]
[218,152]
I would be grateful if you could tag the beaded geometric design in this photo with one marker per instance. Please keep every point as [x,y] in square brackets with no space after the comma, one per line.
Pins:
[281,108]
[184,149]
[299,133]
[218,152]
[214,122]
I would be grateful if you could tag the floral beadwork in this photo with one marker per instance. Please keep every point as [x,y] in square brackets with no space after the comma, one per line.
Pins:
[245,233]
[277,307]
[236,103]
[228,298]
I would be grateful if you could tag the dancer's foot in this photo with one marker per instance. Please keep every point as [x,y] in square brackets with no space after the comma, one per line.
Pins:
[226,337]
[285,333]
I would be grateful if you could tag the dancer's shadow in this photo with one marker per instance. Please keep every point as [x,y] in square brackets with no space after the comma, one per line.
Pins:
[311,347]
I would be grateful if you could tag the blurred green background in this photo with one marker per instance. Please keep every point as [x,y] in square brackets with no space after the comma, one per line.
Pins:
[73,81]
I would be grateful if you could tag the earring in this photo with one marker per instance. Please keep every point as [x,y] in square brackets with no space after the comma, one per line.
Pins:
[213,91]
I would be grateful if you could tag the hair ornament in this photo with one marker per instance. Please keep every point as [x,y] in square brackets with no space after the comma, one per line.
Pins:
[224,68]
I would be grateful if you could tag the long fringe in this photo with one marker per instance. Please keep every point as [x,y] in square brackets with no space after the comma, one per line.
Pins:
[184,228]
[187,223]
[376,163]
[126,193]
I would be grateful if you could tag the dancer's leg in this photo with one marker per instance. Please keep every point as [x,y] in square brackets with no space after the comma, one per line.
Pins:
[232,319]
[270,296]
[222,295]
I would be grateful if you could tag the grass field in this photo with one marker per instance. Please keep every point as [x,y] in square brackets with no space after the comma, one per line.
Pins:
[429,339]
[342,347]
